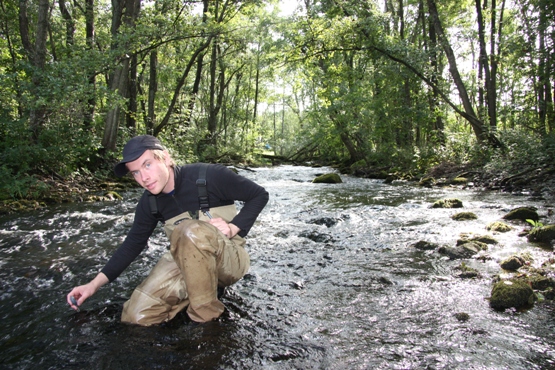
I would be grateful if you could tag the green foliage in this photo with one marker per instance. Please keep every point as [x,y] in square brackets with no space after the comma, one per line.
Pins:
[535,224]
[345,82]
[522,149]
[20,186]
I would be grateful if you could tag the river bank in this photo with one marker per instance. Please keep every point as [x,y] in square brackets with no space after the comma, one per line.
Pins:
[537,181]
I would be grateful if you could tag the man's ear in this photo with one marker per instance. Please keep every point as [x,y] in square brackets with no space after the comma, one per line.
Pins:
[167,157]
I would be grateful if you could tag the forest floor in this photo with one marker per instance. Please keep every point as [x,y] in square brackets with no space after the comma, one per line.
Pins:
[537,181]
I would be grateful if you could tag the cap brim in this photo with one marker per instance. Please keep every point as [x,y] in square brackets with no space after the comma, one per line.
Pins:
[120,169]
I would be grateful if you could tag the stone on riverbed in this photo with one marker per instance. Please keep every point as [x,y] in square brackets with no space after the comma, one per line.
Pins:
[424,245]
[467,272]
[512,263]
[522,213]
[329,178]
[486,239]
[464,216]
[465,250]
[448,203]
[499,227]
[427,182]
[511,293]
[543,234]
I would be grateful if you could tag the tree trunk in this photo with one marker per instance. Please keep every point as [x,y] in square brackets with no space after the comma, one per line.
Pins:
[211,126]
[39,113]
[477,125]
[120,79]
[152,90]
[130,117]
[70,23]
[438,126]
[89,33]
[196,57]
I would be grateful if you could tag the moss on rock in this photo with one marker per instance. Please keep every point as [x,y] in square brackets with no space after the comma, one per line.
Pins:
[464,216]
[543,234]
[499,227]
[448,203]
[511,293]
[522,213]
[328,178]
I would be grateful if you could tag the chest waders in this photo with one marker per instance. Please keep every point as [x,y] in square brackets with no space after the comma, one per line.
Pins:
[201,259]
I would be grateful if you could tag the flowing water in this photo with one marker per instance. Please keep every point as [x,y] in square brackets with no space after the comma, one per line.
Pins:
[334,284]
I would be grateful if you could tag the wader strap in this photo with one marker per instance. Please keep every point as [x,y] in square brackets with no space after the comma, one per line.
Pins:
[204,205]
[154,207]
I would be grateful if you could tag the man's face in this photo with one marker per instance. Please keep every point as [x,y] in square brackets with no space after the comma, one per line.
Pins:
[152,174]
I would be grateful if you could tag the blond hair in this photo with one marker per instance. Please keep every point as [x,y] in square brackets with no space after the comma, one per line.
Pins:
[161,156]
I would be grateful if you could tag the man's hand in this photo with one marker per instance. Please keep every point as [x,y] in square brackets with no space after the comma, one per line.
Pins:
[229,230]
[82,292]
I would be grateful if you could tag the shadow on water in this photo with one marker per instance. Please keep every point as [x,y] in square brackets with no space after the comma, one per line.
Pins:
[333,285]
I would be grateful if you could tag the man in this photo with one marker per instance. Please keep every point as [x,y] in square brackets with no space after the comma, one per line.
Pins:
[206,252]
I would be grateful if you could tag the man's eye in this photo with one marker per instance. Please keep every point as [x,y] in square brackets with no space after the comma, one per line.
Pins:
[147,165]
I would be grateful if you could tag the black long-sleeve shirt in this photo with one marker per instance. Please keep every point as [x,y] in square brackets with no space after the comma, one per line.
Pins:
[224,187]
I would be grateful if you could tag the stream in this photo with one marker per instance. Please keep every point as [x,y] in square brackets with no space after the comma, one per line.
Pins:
[334,284]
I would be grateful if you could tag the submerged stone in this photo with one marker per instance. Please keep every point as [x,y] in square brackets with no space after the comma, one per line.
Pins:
[511,293]
[462,316]
[467,272]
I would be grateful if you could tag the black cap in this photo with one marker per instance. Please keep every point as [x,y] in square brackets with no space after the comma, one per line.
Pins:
[134,149]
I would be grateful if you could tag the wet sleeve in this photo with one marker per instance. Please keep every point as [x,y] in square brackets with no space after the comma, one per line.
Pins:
[238,188]
[134,243]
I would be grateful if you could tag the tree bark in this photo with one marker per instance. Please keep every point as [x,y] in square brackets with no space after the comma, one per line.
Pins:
[152,90]
[119,81]
[90,36]
[196,57]
[478,126]
[37,57]
[70,23]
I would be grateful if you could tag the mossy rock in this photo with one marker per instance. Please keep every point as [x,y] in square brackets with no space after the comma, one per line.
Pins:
[427,182]
[486,239]
[448,203]
[112,195]
[424,245]
[459,181]
[465,250]
[511,293]
[467,272]
[499,227]
[540,282]
[462,316]
[328,178]
[543,234]
[522,213]
[464,216]
[512,263]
